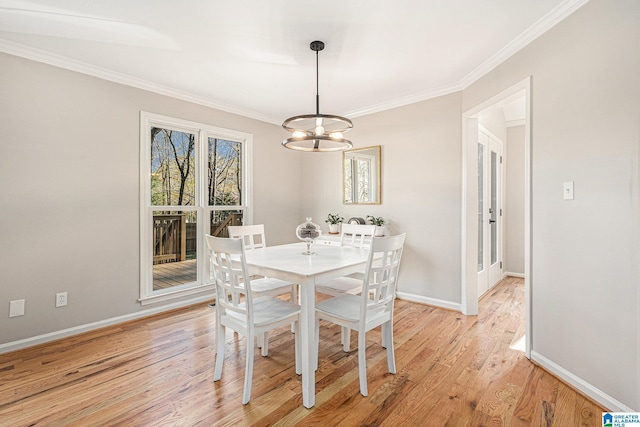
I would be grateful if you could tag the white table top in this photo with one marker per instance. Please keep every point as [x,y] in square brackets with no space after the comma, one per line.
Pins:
[290,259]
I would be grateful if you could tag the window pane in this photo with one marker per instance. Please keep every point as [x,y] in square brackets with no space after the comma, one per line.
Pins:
[220,220]
[225,172]
[348,182]
[174,248]
[172,168]
[364,180]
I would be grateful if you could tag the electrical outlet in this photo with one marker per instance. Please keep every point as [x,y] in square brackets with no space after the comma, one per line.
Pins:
[61,299]
[16,308]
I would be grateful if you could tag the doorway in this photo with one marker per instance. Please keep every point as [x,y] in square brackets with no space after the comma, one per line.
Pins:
[471,224]
[490,202]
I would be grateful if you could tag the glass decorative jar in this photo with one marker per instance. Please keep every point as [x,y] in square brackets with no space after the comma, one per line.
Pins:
[308,232]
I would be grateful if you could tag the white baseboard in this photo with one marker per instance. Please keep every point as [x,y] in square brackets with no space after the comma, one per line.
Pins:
[52,336]
[430,301]
[508,273]
[589,390]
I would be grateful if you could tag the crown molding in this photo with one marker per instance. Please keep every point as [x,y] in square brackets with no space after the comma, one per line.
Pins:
[540,27]
[124,79]
[556,15]
[405,100]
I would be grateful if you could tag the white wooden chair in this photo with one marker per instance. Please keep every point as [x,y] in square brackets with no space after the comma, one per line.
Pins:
[253,236]
[357,235]
[373,307]
[351,235]
[239,309]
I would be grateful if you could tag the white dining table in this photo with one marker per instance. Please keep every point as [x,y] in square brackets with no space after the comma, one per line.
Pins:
[287,262]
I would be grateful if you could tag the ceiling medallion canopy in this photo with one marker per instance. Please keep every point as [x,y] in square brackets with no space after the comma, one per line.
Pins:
[317,132]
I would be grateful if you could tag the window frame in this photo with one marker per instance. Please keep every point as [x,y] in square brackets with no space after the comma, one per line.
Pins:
[203,132]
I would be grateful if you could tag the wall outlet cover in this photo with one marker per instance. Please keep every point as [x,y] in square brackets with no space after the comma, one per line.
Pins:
[61,299]
[16,308]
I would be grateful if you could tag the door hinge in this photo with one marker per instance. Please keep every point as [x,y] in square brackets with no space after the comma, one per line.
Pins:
[500,212]
[500,159]
[500,264]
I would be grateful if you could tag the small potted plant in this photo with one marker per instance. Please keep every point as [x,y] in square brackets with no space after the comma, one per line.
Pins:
[378,221]
[334,221]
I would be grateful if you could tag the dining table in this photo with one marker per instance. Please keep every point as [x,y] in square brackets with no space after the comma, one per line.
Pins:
[287,262]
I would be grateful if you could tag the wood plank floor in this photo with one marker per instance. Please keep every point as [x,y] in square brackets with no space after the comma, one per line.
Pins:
[452,370]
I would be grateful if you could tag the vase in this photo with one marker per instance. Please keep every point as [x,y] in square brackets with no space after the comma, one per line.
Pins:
[334,228]
[379,231]
[308,232]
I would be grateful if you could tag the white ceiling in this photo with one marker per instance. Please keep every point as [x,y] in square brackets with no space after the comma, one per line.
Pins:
[252,57]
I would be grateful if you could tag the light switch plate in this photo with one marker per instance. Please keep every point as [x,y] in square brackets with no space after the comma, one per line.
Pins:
[567,190]
[16,308]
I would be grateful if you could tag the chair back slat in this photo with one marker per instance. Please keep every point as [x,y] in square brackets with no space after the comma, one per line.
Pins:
[253,235]
[230,274]
[357,235]
[381,275]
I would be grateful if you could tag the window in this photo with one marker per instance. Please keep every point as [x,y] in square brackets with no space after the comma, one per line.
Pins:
[361,171]
[195,180]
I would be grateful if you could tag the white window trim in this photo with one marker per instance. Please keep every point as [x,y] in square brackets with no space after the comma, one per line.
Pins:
[203,131]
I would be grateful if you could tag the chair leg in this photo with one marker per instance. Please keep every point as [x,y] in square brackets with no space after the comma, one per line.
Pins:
[345,337]
[220,335]
[388,333]
[362,362]
[265,343]
[294,299]
[384,336]
[316,345]
[248,370]
[298,349]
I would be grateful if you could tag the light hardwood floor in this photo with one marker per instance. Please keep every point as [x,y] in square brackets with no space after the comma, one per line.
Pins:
[451,370]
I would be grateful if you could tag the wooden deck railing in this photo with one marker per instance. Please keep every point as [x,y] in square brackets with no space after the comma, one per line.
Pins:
[169,238]
[222,230]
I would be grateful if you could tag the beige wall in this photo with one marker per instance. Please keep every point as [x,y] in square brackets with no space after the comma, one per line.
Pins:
[69,192]
[585,115]
[492,119]
[514,201]
[421,181]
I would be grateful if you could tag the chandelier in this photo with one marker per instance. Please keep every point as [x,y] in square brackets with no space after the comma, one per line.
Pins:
[317,132]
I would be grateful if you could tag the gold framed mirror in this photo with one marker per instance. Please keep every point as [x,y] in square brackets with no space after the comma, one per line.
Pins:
[361,176]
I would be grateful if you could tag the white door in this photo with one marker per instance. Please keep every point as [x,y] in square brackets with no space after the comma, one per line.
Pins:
[489,211]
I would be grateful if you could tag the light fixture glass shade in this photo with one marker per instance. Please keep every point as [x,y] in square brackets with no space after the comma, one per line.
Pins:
[317,132]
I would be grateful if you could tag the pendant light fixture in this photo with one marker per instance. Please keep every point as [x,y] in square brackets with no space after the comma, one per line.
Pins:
[317,132]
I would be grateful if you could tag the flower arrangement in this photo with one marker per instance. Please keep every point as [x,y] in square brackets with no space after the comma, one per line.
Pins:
[378,221]
[334,219]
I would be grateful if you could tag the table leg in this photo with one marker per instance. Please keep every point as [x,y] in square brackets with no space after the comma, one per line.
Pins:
[307,332]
